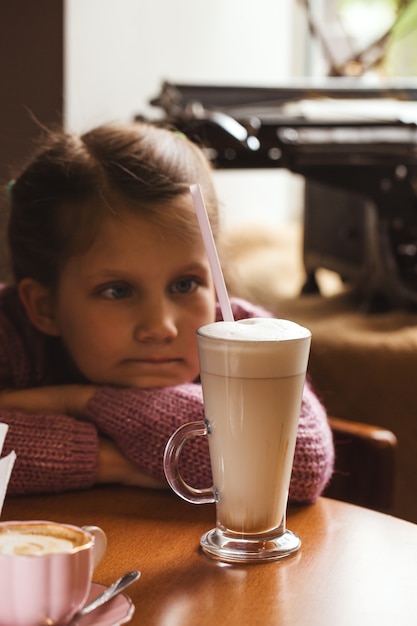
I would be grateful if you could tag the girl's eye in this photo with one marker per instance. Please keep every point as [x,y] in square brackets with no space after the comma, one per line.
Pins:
[116,292]
[184,285]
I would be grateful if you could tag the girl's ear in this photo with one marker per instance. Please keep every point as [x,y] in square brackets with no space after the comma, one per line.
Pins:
[38,302]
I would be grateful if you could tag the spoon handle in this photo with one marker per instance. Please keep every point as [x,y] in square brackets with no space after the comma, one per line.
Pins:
[118,586]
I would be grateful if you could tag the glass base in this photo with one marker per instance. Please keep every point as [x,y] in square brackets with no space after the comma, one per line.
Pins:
[243,549]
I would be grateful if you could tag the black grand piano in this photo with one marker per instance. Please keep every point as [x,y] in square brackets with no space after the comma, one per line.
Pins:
[356,146]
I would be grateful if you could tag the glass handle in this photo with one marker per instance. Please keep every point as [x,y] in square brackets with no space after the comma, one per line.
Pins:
[171,460]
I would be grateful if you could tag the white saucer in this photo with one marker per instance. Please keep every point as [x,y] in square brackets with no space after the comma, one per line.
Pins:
[118,610]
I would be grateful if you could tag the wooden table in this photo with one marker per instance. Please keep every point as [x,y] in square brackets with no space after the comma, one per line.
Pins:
[356,567]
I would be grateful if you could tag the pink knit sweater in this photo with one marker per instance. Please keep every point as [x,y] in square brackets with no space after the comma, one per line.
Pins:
[58,452]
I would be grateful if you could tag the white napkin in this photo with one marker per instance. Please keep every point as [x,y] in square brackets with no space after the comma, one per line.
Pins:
[6,465]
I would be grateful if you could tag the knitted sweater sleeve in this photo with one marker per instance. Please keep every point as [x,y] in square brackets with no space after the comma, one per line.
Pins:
[53,452]
[141,421]
[314,451]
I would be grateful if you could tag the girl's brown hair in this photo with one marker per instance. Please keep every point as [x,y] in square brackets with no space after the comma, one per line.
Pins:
[73,181]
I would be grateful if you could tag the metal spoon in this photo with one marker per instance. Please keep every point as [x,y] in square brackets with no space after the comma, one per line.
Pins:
[118,586]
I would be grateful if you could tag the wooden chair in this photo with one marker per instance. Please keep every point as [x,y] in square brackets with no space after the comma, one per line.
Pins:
[364,471]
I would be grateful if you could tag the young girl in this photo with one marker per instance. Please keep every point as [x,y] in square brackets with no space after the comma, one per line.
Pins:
[98,358]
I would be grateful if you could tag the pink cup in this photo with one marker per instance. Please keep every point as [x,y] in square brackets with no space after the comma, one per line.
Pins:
[46,570]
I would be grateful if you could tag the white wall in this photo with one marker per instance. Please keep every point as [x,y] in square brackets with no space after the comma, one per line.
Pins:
[118,52]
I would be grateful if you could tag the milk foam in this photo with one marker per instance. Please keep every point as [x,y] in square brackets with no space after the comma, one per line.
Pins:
[254,348]
[255,329]
[33,544]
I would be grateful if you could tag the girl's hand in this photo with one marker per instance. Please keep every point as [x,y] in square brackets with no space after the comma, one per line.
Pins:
[114,467]
[63,399]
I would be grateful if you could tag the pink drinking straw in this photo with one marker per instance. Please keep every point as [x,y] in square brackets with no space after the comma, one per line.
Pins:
[213,257]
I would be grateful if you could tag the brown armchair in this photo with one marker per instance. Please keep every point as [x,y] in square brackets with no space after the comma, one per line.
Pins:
[364,464]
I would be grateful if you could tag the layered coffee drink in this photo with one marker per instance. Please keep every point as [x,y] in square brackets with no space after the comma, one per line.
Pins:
[38,539]
[252,373]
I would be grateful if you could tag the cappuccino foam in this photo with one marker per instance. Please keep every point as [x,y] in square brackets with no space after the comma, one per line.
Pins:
[26,540]
[254,348]
[255,329]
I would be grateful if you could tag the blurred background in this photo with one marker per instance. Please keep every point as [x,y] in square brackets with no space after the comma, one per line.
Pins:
[84,62]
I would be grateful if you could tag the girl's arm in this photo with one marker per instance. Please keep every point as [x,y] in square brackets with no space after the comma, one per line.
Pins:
[61,399]
[57,453]
[115,467]
[141,421]
[54,452]
[314,450]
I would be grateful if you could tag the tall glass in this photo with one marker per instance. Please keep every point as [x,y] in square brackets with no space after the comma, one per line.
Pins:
[252,375]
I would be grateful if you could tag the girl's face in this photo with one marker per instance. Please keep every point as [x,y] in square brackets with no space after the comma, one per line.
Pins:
[127,309]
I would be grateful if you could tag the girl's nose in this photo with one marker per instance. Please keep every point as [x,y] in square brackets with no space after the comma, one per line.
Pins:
[156,323]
